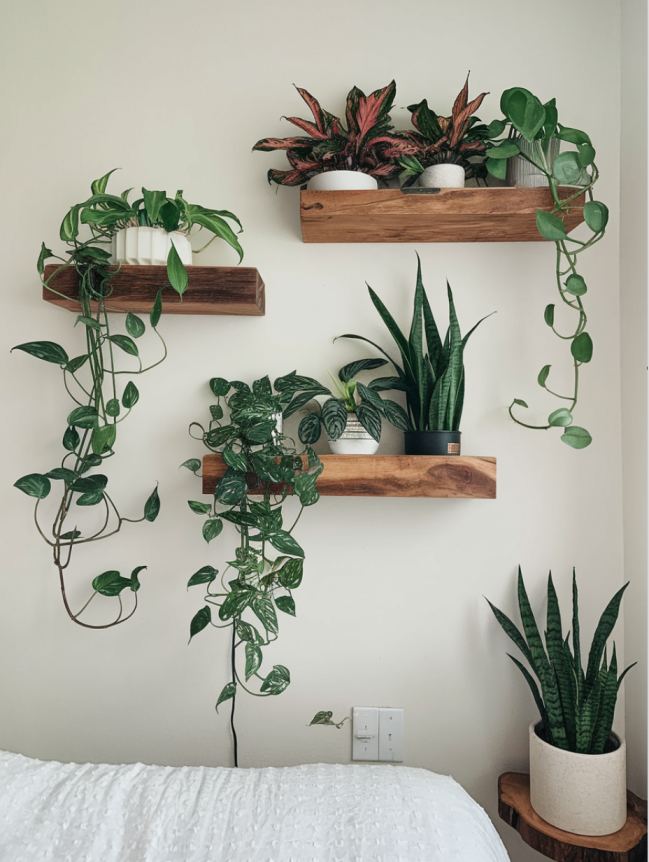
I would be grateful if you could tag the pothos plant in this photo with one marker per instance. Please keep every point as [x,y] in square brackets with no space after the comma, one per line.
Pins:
[537,123]
[263,468]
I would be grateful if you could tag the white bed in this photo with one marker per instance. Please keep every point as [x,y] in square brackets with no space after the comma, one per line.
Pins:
[54,812]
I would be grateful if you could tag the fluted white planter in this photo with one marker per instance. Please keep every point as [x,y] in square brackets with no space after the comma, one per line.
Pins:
[149,245]
[333,181]
[443,176]
[354,440]
[580,793]
[520,172]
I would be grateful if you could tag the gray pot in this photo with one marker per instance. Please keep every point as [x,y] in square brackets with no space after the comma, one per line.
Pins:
[521,173]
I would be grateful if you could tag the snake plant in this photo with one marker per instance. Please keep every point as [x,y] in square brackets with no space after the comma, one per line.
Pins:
[576,706]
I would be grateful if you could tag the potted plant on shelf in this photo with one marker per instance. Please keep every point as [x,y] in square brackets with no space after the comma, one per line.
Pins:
[577,764]
[333,155]
[447,149]
[351,414]
[266,566]
[430,372]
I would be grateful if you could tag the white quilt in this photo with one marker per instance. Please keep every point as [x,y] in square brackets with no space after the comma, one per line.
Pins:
[55,812]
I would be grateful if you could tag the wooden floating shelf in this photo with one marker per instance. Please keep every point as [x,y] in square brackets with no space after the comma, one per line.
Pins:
[453,476]
[499,214]
[627,845]
[211,290]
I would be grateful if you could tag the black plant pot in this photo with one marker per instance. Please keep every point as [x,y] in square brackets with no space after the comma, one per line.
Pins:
[432,442]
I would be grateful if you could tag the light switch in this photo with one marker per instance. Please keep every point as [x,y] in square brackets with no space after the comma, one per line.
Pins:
[365,733]
[391,735]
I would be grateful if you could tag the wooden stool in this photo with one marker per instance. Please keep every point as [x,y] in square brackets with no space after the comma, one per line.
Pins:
[627,845]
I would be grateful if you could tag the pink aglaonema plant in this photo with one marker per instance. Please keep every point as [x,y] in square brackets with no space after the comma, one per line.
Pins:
[365,142]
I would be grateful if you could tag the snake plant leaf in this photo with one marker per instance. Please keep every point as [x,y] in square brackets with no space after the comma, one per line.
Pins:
[263,608]
[513,633]
[576,437]
[349,371]
[152,506]
[334,418]
[124,343]
[34,485]
[131,395]
[602,632]
[586,718]
[212,528]
[550,226]
[286,604]
[110,583]
[392,327]
[176,271]
[576,642]
[277,680]
[253,659]
[286,544]
[204,575]
[533,688]
[370,419]
[227,693]
[582,347]
[415,350]
[596,215]
[48,351]
[604,718]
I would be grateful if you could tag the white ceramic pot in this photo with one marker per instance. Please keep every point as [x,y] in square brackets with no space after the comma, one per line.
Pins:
[444,176]
[580,793]
[149,245]
[336,181]
[354,440]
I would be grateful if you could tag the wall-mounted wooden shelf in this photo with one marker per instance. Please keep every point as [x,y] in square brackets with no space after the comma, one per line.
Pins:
[211,290]
[627,845]
[443,476]
[499,214]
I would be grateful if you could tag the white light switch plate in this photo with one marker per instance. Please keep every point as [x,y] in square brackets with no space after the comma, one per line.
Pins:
[391,735]
[365,733]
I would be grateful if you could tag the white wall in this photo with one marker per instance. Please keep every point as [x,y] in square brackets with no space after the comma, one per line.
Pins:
[391,609]
[633,303]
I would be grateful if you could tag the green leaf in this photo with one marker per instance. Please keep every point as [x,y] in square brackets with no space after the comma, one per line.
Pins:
[203,576]
[199,621]
[286,544]
[193,465]
[322,717]
[560,418]
[231,489]
[34,485]
[523,110]
[131,395]
[576,285]
[290,575]
[550,226]
[334,418]
[566,169]
[212,528]
[153,201]
[71,439]
[573,136]
[152,506]
[247,632]
[89,322]
[253,659]
[62,474]
[543,375]
[370,419]
[216,412]
[69,229]
[83,417]
[176,272]
[71,535]
[586,155]
[219,386]
[170,216]
[134,325]
[504,150]
[286,604]
[98,186]
[76,363]
[396,415]
[548,314]
[110,583]
[581,347]
[235,603]
[135,580]
[125,343]
[309,429]
[91,498]
[497,168]
[97,482]
[211,221]
[576,437]
[112,407]
[596,215]
[349,371]
[43,255]
[227,693]
[199,508]
[264,610]
[277,680]
[236,460]
[48,351]
[103,438]
[603,630]
[520,402]
[156,310]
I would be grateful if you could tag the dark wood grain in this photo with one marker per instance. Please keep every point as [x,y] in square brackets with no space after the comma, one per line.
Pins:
[627,845]
[391,476]
[211,290]
[499,214]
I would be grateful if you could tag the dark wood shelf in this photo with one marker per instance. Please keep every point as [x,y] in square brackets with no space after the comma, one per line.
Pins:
[499,214]
[455,476]
[211,290]
[627,845]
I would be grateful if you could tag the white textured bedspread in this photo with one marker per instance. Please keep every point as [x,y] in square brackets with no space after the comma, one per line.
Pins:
[137,813]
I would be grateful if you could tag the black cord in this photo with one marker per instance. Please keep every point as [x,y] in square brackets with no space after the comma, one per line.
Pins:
[235,744]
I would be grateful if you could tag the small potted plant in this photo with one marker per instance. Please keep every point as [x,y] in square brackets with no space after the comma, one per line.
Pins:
[446,147]
[430,372]
[351,414]
[333,155]
[577,764]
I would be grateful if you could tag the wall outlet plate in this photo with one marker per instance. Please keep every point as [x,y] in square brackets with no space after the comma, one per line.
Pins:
[391,735]
[365,733]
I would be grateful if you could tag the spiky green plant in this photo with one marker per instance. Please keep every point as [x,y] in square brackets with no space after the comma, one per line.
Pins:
[576,707]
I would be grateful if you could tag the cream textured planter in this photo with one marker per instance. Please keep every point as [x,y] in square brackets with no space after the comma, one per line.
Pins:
[335,181]
[444,176]
[354,440]
[149,245]
[521,173]
[580,793]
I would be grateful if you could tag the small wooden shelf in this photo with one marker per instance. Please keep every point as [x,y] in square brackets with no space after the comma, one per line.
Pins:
[454,476]
[499,214]
[627,845]
[211,290]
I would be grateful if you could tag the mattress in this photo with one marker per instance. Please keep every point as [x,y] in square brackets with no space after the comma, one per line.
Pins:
[312,813]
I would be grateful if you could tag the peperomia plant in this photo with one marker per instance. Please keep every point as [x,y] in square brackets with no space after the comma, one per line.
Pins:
[266,567]
[576,706]
[349,396]
[365,142]
[526,117]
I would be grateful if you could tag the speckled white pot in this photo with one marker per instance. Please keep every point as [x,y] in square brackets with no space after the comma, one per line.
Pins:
[444,176]
[354,440]
[336,181]
[580,793]
[149,245]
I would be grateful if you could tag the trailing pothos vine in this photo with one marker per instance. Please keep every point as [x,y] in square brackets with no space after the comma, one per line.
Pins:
[526,119]
[262,468]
